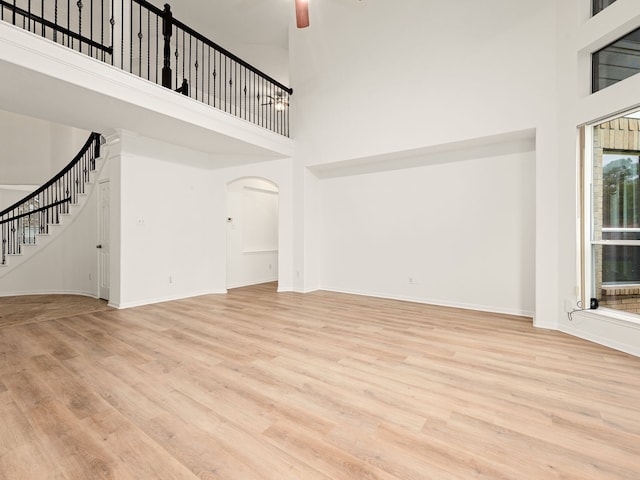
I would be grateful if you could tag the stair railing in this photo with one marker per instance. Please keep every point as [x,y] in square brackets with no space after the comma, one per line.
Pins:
[22,221]
[140,38]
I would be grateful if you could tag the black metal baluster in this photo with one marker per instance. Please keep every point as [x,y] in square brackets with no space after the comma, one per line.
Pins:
[91,27]
[243,93]
[177,55]
[184,55]
[121,35]
[102,26]
[55,21]
[148,45]
[140,40]
[262,110]
[235,88]
[214,75]
[265,110]
[29,15]
[226,104]
[278,111]
[190,48]
[69,41]
[196,67]
[261,100]
[273,111]
[157,31]
[287,116]
[270,107]
[112,23]
[131,37]
[80,5]
[208,76]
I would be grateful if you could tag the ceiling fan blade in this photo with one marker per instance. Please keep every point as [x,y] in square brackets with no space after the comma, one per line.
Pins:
[302,13]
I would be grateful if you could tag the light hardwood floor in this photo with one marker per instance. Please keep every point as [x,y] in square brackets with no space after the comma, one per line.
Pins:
[260,385]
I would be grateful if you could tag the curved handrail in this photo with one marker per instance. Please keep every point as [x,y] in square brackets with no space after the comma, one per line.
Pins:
[22,221]
[94,138]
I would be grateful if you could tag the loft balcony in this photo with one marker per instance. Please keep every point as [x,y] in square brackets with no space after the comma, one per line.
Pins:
[138,38]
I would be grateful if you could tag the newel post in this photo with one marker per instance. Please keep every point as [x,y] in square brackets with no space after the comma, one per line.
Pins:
[167,29]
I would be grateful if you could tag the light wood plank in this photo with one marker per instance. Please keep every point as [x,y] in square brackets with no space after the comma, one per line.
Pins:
[260,385]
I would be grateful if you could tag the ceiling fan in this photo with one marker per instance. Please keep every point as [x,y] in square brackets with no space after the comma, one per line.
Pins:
[302,13]
[279,102]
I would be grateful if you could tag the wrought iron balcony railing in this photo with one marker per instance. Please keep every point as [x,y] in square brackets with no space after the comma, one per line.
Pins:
[142,39]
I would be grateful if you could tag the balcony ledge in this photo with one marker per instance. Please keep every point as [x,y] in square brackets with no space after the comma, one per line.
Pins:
[49,81]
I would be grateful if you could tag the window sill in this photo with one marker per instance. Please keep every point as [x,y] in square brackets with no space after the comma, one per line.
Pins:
[612,314]
[604,326]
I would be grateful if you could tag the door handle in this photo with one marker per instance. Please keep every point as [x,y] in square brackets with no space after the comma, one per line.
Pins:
[98,246]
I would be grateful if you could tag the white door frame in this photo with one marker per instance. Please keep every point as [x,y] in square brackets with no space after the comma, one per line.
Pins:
[103,247]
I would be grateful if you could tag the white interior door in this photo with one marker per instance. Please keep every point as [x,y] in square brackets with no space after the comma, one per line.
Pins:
[103,246]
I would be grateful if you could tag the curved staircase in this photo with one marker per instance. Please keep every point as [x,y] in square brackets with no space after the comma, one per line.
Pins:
[34,221]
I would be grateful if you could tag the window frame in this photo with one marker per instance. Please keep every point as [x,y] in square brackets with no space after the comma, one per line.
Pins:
[587,232]
[595,63]
[595,7]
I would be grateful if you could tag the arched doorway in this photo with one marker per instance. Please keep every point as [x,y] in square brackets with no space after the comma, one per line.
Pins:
[252,232]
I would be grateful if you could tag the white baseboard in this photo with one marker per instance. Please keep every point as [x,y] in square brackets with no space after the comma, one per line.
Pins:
[167,298]
[607,330]
[18,293]
[440,303]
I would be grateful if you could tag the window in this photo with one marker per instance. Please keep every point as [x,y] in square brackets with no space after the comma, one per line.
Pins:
[616,61]
[599,5]
[613,245]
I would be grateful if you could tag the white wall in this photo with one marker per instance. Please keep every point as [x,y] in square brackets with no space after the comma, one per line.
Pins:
[11,194]
[374,77]
[458,234]
[34,150]
[252,260]
[63,262]
[375,83]
[161,211]
[169,213]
